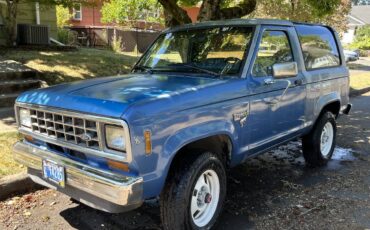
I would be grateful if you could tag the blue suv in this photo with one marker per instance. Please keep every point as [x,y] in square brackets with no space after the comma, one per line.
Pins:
[203,98]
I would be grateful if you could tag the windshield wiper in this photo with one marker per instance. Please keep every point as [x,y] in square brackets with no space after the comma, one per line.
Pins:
[143,68]
[200,69]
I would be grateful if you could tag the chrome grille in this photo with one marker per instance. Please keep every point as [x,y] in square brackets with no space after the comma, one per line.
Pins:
[76,130]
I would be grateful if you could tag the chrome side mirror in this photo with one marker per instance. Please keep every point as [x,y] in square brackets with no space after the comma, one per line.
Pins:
[284,70]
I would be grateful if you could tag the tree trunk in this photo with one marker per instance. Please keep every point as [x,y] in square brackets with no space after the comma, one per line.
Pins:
[174,14]
[10,22]
[209,10]
[242,9]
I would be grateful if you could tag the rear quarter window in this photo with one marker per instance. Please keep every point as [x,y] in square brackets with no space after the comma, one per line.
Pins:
[319,47]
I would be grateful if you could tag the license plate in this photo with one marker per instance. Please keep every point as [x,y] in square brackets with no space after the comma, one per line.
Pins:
[53,172]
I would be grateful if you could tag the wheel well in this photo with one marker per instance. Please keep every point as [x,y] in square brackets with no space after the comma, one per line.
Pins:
[333,107]
[218,144]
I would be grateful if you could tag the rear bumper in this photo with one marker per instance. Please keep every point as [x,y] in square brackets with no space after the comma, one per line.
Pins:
[94,187]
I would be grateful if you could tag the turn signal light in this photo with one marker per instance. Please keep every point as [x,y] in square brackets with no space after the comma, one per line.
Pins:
[118,165]
[28,138]
[148,142]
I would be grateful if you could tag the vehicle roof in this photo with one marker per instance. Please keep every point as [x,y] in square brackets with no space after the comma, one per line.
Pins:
[236,22]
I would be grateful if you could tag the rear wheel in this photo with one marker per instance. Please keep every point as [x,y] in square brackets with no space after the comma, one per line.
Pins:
[318,145]
[194,194]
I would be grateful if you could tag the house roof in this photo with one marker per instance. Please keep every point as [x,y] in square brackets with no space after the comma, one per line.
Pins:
[360,15]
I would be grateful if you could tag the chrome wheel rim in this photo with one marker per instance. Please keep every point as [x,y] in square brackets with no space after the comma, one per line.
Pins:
[326,140]
[205,197]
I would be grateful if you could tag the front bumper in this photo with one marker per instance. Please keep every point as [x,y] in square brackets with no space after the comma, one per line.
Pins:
[94,187]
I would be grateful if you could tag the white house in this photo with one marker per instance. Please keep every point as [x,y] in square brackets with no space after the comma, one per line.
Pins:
[359,16]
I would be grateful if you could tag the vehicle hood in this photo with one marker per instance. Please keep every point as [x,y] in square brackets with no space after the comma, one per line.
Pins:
[111,96]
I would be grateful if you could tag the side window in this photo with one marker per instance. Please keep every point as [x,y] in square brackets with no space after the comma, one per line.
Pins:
[318,47]
[274,48]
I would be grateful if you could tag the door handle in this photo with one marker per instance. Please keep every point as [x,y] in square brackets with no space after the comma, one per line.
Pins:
[278,100]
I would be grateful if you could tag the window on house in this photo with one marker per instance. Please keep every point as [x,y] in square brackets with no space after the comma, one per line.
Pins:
[77,12]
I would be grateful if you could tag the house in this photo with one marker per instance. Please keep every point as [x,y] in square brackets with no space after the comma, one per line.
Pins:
[89,16]
[32,13]
[358,17]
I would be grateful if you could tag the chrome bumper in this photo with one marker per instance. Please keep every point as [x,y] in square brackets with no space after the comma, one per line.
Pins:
[94,187]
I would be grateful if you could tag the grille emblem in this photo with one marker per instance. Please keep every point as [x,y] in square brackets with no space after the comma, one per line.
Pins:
[85,137]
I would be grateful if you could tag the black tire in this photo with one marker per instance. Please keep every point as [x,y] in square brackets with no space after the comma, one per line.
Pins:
[311,143]
[176,196]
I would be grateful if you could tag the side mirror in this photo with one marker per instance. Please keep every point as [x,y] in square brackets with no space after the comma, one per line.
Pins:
[284,70]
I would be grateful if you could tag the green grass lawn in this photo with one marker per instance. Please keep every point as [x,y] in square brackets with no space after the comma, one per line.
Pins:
[7,165]
[58,67]
[67,66]
[360,80]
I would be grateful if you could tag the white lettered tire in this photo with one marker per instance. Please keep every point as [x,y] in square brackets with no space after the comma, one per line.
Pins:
[194,192]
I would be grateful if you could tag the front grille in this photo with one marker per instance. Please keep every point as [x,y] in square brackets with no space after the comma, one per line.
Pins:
[75,130]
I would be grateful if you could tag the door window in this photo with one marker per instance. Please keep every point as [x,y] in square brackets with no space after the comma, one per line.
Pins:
[274,48]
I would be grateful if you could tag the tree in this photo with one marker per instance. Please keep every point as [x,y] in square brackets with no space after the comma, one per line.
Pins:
[130,11]
[330,12]
[362,40]
[327,11]
[209,10]
[303,10]
[9,16]
[63,16]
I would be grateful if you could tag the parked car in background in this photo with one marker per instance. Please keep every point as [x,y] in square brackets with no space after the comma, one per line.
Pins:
[351,55]
[204,98]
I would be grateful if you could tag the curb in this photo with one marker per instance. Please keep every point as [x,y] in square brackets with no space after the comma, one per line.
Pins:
[16,184]
[354,93]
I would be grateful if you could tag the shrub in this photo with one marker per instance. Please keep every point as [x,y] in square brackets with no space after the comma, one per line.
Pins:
[362,40]
[63,35]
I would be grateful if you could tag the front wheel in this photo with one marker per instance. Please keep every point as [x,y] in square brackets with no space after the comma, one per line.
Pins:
[318,145]
[194,194]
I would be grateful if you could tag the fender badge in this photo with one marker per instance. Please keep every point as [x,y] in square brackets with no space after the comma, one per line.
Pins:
[137,140]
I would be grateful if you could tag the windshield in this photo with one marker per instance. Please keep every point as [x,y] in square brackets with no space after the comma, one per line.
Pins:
[217,51]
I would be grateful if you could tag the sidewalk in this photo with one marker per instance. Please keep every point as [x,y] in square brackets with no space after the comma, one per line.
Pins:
[7,120]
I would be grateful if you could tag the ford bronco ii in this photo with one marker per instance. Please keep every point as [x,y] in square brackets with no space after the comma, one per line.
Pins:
[203,98]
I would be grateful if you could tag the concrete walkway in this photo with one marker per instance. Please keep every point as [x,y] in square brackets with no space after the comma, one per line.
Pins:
[7,66]
[7,120]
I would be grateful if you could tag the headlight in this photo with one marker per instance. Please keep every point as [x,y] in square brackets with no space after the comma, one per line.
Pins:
[25,117]
[115,137]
